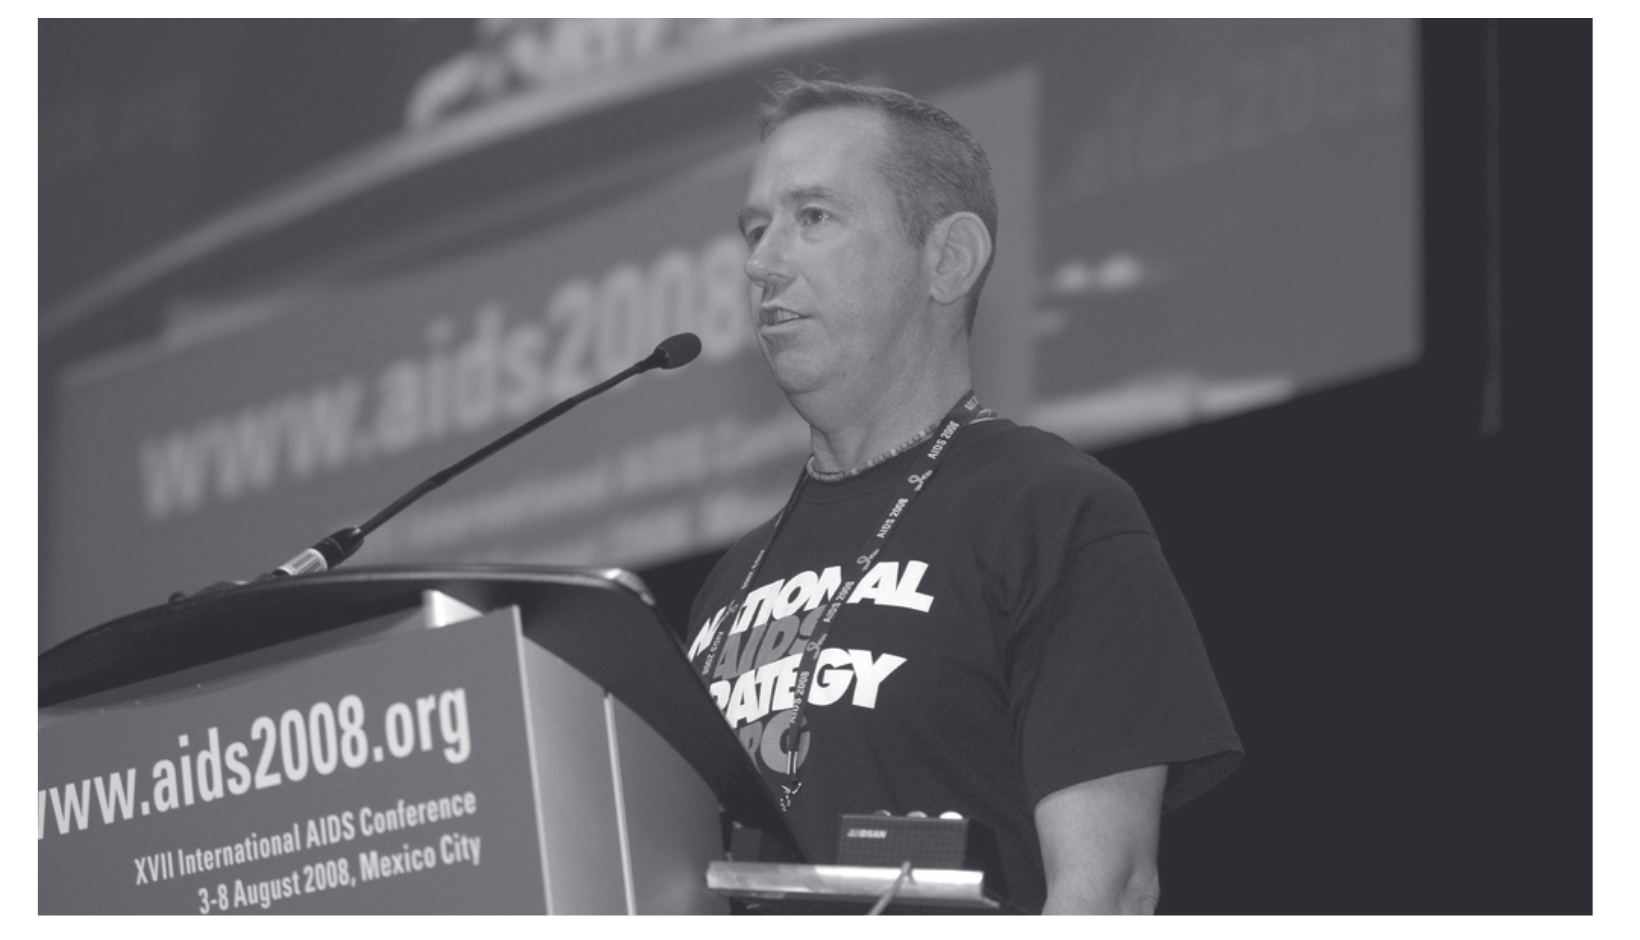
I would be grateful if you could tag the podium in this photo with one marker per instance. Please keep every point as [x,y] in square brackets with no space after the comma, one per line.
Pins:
[391,740]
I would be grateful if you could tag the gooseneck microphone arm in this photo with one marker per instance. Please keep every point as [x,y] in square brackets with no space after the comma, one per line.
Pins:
[664,357]
[333,549]
[338,546]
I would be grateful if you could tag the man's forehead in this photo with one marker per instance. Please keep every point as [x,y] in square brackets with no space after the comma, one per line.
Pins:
[846,130]
[815,155]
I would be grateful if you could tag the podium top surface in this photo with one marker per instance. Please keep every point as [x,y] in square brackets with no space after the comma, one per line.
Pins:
[600,621]
[196,629]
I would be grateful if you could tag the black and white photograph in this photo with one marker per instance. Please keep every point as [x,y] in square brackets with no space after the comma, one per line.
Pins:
[820,467]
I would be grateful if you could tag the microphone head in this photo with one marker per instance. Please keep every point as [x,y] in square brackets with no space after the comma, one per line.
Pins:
[679,350]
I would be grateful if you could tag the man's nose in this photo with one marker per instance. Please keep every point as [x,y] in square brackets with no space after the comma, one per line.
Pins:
[767,265]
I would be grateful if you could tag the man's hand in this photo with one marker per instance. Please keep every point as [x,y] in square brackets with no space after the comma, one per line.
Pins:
[1099,844]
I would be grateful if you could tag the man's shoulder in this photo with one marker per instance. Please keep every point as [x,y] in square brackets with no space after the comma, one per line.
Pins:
[1027,455]
[1024,469]
[744,546]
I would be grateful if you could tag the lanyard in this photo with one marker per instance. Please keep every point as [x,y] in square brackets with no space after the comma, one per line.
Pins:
[963,413]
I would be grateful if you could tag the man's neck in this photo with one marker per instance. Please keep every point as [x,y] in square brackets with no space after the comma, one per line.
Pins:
[855,433]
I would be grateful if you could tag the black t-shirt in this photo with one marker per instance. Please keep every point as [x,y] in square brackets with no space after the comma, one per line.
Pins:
[1019,633]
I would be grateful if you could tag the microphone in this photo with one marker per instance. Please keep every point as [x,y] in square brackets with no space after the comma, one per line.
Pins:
[338,546]
[674,351]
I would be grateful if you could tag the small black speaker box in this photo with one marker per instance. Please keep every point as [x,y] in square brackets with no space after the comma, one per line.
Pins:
[889,841]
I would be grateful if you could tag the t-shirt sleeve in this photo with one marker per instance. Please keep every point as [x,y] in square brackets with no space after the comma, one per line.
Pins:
[1111,675]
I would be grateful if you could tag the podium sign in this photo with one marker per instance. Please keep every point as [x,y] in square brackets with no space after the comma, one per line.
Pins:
[392,775]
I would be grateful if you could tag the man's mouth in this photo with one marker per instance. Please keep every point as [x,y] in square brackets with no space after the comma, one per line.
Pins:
[774,316]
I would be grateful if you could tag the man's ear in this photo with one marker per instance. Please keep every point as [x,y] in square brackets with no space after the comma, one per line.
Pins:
[959,246]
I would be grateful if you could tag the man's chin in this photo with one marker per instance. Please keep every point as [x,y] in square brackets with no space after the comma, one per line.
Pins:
[796,374]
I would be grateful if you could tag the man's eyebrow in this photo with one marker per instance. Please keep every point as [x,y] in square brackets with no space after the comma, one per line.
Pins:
[807,193]
[799,195]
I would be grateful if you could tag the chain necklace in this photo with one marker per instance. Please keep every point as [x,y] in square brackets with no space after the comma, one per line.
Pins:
[836,476]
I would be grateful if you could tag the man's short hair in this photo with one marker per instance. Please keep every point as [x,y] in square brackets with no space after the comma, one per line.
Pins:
[933,164]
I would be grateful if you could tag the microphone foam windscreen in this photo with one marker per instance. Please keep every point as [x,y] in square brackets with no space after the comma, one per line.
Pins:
[679,350]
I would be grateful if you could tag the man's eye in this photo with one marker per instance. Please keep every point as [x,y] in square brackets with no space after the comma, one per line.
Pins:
[754,235]
[813,216]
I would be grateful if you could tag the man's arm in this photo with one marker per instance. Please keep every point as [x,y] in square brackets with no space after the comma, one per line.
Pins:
[1099,844]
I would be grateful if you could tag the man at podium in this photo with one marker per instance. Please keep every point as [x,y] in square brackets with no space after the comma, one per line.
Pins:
[953,613]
